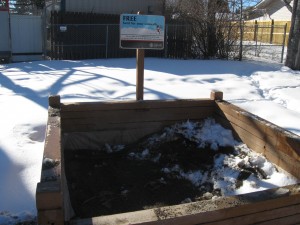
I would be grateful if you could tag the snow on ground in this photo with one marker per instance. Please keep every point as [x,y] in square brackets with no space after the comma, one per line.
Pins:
[224,173]
[267,89]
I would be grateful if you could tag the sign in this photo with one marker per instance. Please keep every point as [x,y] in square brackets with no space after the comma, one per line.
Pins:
[142,31]
[63,28]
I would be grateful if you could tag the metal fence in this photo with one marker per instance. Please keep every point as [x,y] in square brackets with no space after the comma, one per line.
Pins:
[67,39]
[265,40]
[86,41]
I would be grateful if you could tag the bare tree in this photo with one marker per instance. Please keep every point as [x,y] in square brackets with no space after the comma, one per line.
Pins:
[27,6]
[217,25]
[208,19]
[293,52]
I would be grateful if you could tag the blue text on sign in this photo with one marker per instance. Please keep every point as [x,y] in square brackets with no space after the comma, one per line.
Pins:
[129,18]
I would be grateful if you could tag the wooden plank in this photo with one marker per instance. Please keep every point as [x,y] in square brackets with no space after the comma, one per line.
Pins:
[246,120]
[261,143]
[67,206]
[49,195]
[120,105]
[50,217]
[267,147]
[53,137]
[265,215]
[204,211]
[281,139]
[289,143]
[293,219]
[130,116]
[52,149]
[68,211]
[113,120]
[274,136]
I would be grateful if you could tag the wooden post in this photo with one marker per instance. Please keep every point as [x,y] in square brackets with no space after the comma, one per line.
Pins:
[140,56]
[256,36]
[216,95]
[255,30]
[140,62]
[54,101]
[283,42]
[272,32]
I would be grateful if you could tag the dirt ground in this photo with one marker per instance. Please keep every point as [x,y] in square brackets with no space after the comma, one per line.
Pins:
[103,182]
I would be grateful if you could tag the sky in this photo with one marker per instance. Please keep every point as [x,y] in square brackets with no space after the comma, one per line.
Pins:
[267,89]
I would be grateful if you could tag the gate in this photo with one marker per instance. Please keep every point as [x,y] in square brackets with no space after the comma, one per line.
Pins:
[26,37]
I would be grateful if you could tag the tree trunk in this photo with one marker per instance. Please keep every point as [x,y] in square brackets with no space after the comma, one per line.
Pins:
[293,52]
[241,25]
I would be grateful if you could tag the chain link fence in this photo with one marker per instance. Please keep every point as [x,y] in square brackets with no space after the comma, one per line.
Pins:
[90,41]
[267,41]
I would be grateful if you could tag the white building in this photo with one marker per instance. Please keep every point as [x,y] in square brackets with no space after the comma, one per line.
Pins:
[275,10]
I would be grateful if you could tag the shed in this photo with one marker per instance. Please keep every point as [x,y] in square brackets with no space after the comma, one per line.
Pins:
[113,6]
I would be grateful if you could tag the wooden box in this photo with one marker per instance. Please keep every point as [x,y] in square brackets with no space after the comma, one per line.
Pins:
[87,124]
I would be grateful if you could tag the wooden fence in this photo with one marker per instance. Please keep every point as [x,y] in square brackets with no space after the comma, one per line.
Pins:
[272,32]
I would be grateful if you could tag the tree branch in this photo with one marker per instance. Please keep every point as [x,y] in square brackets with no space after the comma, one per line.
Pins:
[287,4]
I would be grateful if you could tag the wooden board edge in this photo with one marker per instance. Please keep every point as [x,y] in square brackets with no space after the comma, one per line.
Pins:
[204,211]
[49,191]
[280,138]
[134,105]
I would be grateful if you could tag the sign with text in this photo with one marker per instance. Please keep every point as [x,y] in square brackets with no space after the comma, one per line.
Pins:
[142,31]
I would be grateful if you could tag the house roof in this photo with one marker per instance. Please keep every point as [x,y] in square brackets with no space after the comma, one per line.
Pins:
[264,3]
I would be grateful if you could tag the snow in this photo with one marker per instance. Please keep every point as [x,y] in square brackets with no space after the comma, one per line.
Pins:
[266,89]
[226,167]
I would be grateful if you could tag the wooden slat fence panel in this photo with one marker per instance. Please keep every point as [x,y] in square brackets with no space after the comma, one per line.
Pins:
[271,32]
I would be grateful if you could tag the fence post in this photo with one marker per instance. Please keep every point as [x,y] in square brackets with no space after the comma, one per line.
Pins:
[255,36]
[272,31]
[106,42]
[166,41]
[283,42]
[52,35]
[255,30]
[140,57]
[10,37]
[241,29]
